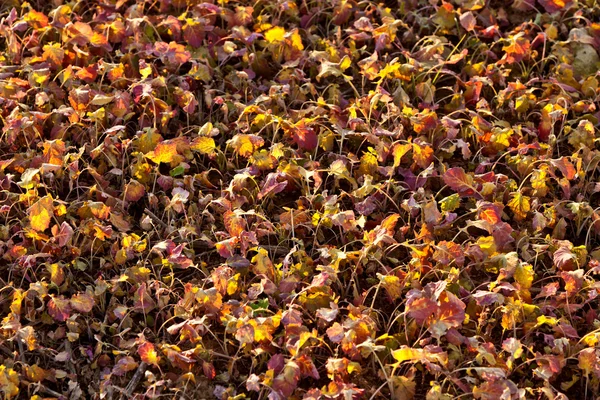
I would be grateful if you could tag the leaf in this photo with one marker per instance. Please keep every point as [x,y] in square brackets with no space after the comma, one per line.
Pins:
[286,382]
[59,308]
[142,300]
[262,263]
[245,145]
[519,205]
[275,35]
[124,365]
[566,167]
[209,370]
[54,54]
[305,137]
[82,302]
[392,284]
[57,275]
[134,191]
[516,50]
[36,19]
[193,32]
[420,307]
[148,353]
[9,382]
[406,353]
[40,213]
[204,145]
[573,281]
[235,224]
[468,21]
[400,150]
[524,275]
[489,212]
[450,203]
[404,387]
[173,53]
[552,6]
[588,361]
[460,182]
[451,314]
[164,152]
[148,141]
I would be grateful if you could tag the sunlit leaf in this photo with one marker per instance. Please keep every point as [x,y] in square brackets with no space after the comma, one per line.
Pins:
[148,353]
[40,213]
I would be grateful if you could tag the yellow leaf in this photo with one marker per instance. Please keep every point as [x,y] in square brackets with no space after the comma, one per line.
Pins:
[345,63]
[524,275]
[245,145]
[487,245]
[501,136]
[146,71]
[297,41]
[542,319]
[165,152]
[392,285]
[399,151]
[148,141]
[204,145]
[538,181]
[54,53]
[275,35]
[263,160]
[407,354]
[520,205]
[57,276]
[368,163]
[15,306]
[40,213]
[233,284]
[9,382]
[262,262]
[591,339]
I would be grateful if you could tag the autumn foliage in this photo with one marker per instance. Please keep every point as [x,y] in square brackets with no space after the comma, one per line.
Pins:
[299,199]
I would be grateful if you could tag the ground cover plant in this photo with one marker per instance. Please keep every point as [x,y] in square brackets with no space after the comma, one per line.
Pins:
[299,199]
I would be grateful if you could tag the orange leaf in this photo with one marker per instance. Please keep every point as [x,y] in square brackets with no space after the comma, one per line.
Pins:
[54,54]
[234,223]
[40,213]
[165,152]
[57,275]
[134,191]
[148,353]
[54,151]
[36,19]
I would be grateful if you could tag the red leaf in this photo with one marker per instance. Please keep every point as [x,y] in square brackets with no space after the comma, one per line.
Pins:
[460,182]
[209,370]
[566,167]
[173,53]
[59,308]
[305,137]
[420,307]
